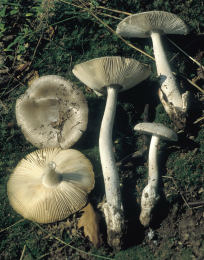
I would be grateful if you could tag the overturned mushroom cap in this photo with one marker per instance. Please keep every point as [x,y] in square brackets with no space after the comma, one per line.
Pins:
[102,72]
[50,184]
[52,112]
[142,24]
[156,129]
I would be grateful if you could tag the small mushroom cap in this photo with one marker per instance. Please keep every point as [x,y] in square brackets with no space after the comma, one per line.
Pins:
[108,71]
[142,24]
[52,112]
[34,200]
[157,129]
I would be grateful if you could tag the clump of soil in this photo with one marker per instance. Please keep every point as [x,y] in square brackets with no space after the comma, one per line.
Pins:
[180,235]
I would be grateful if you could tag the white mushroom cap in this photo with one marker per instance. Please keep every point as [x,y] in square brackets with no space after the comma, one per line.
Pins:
[52,112]
[50,184]
[142,24]
[156,129]
[108,71]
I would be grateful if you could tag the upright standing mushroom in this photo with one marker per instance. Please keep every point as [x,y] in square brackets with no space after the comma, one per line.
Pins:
[50,184]
[154,24]
[111,74]
[52,112]
[150,194]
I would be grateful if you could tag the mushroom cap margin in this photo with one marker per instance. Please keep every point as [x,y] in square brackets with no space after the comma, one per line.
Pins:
[52,112]
[141,24]
[100,73]
[34,201]
[157,129]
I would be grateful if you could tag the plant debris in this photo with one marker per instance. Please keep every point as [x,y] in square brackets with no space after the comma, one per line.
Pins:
[89,221]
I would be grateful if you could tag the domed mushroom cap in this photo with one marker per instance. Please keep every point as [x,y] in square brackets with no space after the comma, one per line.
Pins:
[102,72]
[157,129]
[50,184]
[52,112]
[142,24]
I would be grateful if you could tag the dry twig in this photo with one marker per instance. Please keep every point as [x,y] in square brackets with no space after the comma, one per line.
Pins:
[177,189]
[191,58]
[7,228]
[23,252]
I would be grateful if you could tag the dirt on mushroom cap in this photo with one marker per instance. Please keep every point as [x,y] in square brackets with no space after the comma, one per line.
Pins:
[52,112]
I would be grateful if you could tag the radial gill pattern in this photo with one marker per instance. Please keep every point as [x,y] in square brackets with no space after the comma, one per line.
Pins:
[111,70]
[141,24]
[34,200]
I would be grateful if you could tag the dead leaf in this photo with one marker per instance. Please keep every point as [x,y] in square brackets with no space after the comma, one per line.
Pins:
[50,31]
[33,75]
[90,222]
[23,66]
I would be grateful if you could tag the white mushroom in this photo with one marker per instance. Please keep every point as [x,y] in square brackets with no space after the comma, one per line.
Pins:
[111,74]
[150,194]
[154,24]
[50,184]
[52,112]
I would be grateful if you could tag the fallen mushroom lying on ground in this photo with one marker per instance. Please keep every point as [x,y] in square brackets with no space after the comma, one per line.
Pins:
[52,112]
[50,184]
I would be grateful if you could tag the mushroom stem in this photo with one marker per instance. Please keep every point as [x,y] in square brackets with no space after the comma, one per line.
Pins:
[153,161]
[150,194]
[50,177]
[168,83]
[113,209]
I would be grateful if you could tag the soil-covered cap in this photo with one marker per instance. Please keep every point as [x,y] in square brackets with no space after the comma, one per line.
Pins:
[157,129]
[107,71]
[50,184]
[142,24]
[52,112]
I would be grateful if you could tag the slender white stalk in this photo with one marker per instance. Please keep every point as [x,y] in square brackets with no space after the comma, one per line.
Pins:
[50,176]
[150,194]
[168,83]
[113,209]
[153,161]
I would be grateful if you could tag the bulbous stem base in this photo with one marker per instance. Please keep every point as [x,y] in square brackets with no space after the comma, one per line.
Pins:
[150,194]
